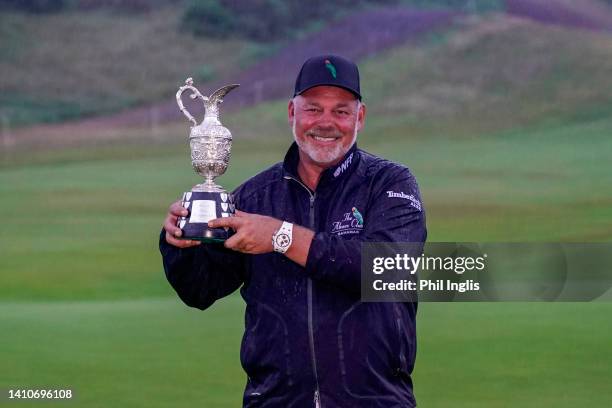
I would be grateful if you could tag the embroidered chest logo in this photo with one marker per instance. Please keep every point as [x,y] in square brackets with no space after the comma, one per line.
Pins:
[351,223]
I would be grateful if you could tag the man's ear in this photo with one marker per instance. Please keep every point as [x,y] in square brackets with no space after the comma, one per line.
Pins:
[361,115]
[291,111]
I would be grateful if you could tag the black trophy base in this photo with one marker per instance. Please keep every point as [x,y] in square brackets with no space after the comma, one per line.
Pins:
[203,206]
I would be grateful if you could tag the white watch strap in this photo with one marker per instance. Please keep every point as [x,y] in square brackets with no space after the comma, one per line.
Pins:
[282,239]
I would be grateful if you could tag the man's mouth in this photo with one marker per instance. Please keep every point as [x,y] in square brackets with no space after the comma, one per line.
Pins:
[325,139]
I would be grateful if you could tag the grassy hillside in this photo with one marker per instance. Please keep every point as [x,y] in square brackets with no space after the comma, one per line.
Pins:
[494,73]
[62,66]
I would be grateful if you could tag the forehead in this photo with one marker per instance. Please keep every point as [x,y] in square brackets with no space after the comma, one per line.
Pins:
[328,95]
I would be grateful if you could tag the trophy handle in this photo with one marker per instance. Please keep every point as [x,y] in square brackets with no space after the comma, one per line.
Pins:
[194,94]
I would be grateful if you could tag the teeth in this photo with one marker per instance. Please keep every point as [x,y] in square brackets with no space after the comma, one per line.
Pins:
[324,139]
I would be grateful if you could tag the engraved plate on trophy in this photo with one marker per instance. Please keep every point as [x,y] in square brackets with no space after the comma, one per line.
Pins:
[210,144]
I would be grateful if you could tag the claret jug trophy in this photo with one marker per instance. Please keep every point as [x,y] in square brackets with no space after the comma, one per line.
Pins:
[210,144]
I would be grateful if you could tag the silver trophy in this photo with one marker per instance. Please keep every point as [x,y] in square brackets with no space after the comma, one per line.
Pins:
[210,144]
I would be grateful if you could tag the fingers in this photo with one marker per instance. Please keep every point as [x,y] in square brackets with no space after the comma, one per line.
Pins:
[170,225]
[177,209]
[230,222]
[172,230]
[233,242]
[241,243]
[180,243]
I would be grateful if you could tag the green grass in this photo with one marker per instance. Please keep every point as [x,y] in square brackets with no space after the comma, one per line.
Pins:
[145,353]
[500,355]
[86,229]
[93,224]
[157,353]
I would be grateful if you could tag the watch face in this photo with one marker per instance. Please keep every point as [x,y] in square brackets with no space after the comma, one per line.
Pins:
[283,240]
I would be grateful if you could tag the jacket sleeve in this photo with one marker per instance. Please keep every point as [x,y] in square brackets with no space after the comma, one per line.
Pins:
[388,218]
[200,275]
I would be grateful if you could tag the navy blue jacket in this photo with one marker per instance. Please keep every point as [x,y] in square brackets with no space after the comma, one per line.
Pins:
[308,339]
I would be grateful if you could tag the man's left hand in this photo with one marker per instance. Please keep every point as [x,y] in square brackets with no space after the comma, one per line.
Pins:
[253,232]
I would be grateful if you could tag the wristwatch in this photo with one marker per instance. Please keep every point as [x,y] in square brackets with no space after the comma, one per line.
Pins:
[282,239]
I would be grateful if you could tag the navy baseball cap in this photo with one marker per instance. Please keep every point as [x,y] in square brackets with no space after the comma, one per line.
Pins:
[330,70]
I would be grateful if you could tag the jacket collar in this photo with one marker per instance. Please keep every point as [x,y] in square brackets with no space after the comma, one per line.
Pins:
[330,176]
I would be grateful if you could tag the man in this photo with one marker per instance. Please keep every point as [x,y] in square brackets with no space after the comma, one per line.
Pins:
[309,341]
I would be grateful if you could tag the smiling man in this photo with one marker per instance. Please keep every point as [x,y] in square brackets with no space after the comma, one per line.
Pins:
[309,341]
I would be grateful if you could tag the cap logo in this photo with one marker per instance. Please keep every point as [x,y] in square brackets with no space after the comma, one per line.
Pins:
[331,68]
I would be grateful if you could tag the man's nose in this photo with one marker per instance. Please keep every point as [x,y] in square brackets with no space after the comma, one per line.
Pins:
[326,121]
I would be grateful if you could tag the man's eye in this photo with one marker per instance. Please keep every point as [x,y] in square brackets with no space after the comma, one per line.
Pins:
[343,112]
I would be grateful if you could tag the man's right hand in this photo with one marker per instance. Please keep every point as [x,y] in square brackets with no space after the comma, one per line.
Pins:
[173,232]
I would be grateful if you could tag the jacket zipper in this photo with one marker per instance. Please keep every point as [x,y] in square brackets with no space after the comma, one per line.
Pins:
[398,320]
[317,395]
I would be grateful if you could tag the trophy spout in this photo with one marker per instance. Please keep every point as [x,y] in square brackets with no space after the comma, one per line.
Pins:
[215,99]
